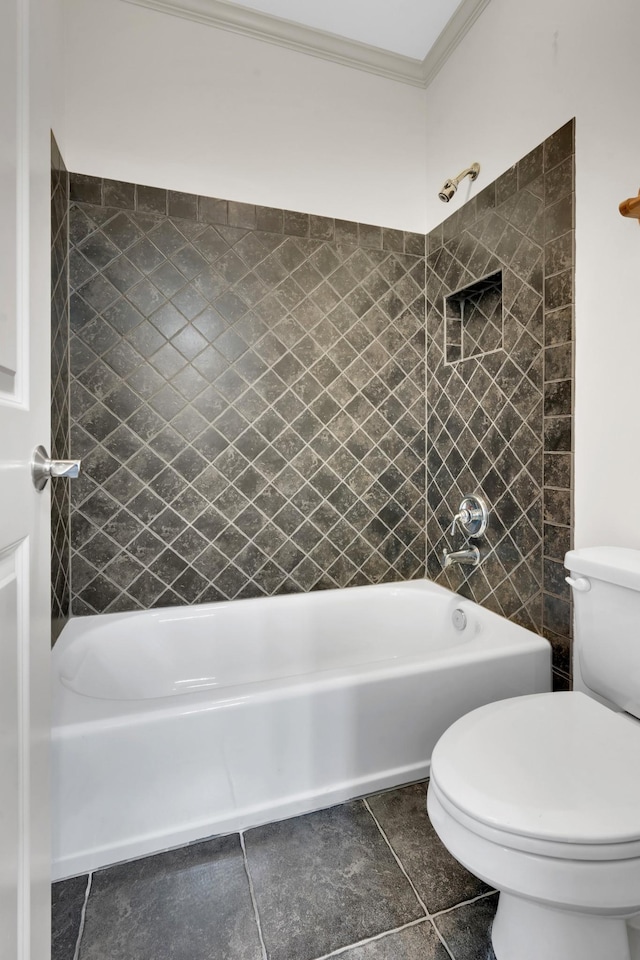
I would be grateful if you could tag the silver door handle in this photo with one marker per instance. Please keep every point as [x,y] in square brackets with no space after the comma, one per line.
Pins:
[42,468]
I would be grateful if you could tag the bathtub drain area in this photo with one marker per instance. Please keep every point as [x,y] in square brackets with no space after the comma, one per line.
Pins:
[365,880]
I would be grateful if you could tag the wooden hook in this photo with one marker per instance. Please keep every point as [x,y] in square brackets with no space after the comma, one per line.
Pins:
[631,208]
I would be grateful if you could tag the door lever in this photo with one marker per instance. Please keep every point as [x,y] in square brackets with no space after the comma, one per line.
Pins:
[42,468]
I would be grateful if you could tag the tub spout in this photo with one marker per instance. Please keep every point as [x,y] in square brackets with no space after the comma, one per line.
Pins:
[469,557]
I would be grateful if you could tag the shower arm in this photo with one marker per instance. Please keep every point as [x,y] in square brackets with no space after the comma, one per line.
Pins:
[471,172]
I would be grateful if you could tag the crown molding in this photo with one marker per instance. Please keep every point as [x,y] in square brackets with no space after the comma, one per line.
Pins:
[327,46]
[457,27]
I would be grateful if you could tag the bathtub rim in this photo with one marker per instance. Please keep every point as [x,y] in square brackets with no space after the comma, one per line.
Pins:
[73,709]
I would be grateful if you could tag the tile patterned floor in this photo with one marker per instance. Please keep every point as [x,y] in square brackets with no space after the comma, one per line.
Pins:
[366,880]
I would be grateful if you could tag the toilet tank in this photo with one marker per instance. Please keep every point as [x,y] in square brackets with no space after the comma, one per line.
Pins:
[607,622]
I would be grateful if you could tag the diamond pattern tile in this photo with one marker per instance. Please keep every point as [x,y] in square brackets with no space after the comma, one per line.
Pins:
[60,387]
[486,424]
[248,404]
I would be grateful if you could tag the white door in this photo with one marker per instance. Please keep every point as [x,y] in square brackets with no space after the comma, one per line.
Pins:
[25,81]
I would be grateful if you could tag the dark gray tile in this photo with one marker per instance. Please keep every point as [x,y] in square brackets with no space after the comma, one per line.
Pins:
[241,215]
[486,199]
[557,540]
[559,145]
[212,210]
[414,943]
[557,470]
[558,327]
[531,166]
[561,683]
[84,189]
[558,181]
[557,507]
[559,254]
[558,362]
[438,877]
[554,579]
[467,929]
[269,219]
[188,904]
[337,882]
[434,239]
[393,240]
[296,224]
[557,434]
[558,218]
[183,205]
[506,185]
[119,194]
[346,231]
[321,228]
[558,290]
[67,901]
[98,595]
[414,244]
[557,616]
[151,200]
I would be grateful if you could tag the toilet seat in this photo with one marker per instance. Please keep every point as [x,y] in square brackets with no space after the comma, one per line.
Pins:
[550,774]
[535,845]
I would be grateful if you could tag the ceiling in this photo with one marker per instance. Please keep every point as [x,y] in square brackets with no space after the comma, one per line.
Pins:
[405,40]
[406,27]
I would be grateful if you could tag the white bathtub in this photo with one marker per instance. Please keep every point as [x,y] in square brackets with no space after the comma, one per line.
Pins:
[177,724]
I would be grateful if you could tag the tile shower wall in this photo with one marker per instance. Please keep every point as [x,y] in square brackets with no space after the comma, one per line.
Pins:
[247,399]
[500,374]
[60,444]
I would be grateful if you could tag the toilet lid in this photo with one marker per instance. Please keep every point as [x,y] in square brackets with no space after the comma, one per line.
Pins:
[558,766]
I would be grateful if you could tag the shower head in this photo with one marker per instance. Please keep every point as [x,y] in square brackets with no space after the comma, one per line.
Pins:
[449,187]
[448,190]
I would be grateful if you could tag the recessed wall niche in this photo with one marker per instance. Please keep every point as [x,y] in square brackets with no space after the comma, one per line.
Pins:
[474,323]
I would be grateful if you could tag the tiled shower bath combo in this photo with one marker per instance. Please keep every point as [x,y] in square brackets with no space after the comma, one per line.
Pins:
[247,393]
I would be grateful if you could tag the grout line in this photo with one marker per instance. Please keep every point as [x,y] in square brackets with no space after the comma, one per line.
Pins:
[76,952]
[465,903]
[429,916]
[253,896]
[441,939]
[379,936]
[397,859]
[418,897]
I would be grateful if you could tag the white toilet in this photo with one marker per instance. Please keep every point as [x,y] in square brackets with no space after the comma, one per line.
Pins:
[540,795]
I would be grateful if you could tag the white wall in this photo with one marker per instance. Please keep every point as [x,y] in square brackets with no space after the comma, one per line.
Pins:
[57,91]
[154,99]
[522,71]
[157,100]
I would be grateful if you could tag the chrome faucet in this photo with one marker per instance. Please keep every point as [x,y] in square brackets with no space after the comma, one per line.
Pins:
[469,557]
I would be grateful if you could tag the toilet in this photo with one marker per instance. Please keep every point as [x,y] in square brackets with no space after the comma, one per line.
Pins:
[539,796]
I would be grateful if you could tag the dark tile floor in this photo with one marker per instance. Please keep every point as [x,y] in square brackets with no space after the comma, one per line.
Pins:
[366,880]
